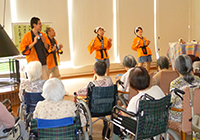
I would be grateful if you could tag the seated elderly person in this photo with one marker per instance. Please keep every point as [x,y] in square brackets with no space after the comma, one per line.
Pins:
[162,65]
[102,80]
[183,65]
[6,119]
[128,63]
[34,82]
[140,81]
[54,107]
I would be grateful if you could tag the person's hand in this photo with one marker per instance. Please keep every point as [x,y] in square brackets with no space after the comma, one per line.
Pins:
[35,39]
[110,40]
[53,49]
[138,42]
[148,41]
[60,46]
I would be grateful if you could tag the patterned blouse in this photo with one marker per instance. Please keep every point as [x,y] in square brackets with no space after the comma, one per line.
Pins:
[30,86]
[176,101]
[103,81]
[56,110]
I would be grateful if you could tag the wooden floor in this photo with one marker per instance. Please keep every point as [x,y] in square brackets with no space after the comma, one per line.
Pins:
[75,83]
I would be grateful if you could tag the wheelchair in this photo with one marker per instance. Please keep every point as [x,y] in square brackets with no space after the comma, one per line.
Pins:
[98,103]
[150,121]
[68,128]
[29,102]
[14,133]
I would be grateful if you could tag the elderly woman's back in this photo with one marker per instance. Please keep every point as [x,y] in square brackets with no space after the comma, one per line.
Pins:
[34,83]
[183,65]
[54,107]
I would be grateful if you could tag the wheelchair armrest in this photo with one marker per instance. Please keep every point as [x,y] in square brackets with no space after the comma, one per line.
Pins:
[117,107]
[7,130]
[176,109]
[17,119]
[7,104]
[5,101]
[124,92]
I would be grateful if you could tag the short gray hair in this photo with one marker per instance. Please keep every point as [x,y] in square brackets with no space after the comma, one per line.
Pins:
[163,62]
[53,90]
[183,65]
[129,61]
[34,70]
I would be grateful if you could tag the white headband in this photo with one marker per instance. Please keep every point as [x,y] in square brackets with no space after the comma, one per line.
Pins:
[97,28]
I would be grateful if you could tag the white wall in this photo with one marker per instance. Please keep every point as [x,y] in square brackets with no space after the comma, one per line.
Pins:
[195,17]
[133,13]
[173,18]
[7,21]
[173,22]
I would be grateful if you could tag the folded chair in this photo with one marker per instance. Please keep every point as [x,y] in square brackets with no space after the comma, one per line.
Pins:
[98,103]
[151,119]
[165,79]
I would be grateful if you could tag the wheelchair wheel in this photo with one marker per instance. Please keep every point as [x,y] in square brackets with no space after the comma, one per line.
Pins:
[22,113]
[169,135]
[83,109]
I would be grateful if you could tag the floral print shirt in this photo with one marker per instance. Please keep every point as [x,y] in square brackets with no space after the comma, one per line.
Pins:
[176,101]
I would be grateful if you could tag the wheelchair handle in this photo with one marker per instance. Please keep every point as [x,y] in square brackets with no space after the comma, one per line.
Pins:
[177,91]
[124,110]
[120,83]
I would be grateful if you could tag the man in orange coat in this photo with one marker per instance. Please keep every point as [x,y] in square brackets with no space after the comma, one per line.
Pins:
[35,45]
[53,58]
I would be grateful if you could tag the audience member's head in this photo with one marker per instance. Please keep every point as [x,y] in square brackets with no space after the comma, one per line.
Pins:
[139,78]
[183,65]
[163,62]
[100,68]
[34,70]
[53,90]
[129,61]
[34,20]
[196,66]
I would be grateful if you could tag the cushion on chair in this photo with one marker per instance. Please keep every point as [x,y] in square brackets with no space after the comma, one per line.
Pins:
[69,132]
[102,100]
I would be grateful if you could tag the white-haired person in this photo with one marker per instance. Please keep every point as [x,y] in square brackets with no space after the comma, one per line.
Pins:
[54,107]
[34,83]
[100,44]
[129,63]
[183,64]
[140,44]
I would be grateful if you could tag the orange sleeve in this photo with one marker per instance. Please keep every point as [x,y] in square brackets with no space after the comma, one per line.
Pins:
[108,43]
[134,47]
[25,42]
[90,50]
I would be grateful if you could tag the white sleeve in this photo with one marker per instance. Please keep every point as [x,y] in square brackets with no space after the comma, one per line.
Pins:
[132,105]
